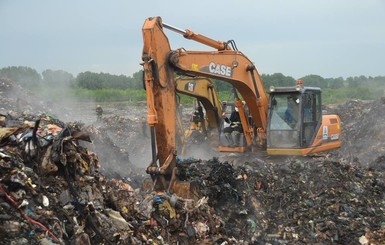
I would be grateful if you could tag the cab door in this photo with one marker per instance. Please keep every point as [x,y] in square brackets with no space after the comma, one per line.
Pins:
[284,121]
[311,116]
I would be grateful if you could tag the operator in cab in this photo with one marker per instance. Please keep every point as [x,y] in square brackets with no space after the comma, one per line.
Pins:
[234,128]
[291,113]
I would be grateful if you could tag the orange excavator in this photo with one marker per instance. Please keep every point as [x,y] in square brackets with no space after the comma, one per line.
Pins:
[287,122]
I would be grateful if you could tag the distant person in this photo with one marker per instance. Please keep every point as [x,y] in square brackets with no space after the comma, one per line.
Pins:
[99,113]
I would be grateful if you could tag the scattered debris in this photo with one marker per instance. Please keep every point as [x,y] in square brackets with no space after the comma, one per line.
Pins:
[58,185]
[363,132]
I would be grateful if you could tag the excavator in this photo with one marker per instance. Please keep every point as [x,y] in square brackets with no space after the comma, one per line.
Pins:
[287,122]
[201,127]
[204,91]
[206,116]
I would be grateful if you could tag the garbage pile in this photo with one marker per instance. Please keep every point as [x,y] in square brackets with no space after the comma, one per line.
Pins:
[320,201]
[52,192]
[109,140]
[317,201]
[363,132]
[50,185]
[13,99]
[53,189]
[57,186]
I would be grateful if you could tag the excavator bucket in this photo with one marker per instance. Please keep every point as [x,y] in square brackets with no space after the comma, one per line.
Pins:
[182,189]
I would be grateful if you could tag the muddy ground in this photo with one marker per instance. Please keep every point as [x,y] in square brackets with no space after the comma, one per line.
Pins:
[334,198]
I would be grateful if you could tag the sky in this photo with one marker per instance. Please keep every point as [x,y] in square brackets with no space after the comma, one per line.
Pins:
[330,38]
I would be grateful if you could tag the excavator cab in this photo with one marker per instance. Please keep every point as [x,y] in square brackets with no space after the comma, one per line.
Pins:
[296,125]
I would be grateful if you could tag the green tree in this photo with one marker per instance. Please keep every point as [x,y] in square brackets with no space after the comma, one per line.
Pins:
[25,76]
[314,81]
[58,78]
[137,80]
[223,86]
[89,80]
[355,82]
[277,80]
[335,83]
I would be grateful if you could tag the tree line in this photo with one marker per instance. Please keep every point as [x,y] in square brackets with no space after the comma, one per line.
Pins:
[104,84]
[280,80]
[30,78]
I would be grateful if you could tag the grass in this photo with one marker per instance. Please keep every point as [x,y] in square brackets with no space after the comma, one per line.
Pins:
[329,96]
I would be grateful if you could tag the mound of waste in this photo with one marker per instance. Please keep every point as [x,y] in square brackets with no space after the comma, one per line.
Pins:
[13,99]
[69,183]
[111,139]
[53,192]
[363,132]
[318,201]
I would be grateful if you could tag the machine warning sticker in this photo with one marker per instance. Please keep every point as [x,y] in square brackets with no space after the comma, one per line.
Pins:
[334,136]
[325,133]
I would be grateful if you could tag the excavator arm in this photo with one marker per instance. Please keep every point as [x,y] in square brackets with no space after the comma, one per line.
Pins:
[161,101]
[227,64]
